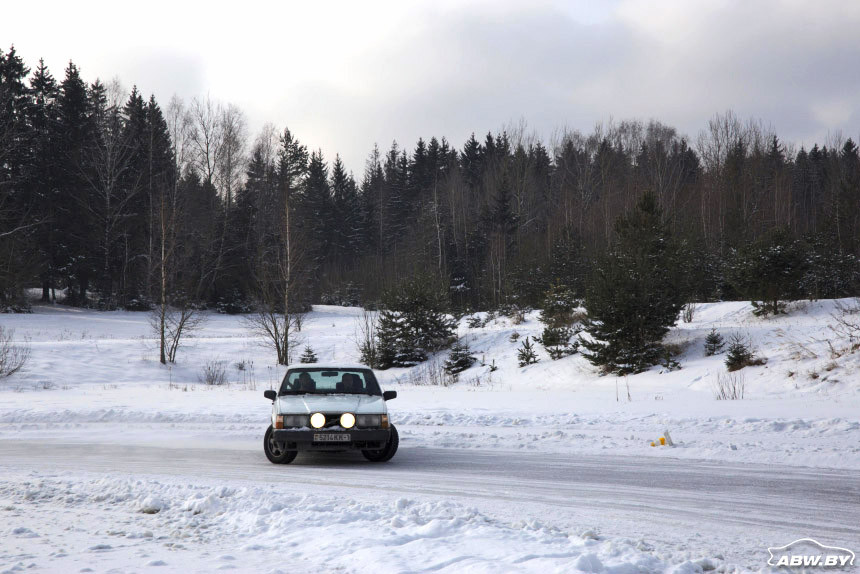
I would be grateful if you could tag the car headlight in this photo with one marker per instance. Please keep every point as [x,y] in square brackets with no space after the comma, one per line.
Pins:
[318,420]
[292,421]
[347,420]
[369,420]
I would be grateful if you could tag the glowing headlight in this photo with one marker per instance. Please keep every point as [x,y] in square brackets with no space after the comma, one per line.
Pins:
[318,420]
[347,420]
[369,420]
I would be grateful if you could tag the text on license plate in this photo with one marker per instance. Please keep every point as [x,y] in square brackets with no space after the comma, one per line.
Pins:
[331,437]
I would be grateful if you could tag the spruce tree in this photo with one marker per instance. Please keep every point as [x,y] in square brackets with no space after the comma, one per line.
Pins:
[308,356]
[41,180]
[556,341]
[16,254]
[714,343]
[558,307]
[413,323]
[526,354]
[770,271]
[740,354]
[633,297]
[317,207]
[74,225]
[459,359]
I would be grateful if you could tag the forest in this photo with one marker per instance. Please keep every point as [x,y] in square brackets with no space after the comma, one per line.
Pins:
[122,202]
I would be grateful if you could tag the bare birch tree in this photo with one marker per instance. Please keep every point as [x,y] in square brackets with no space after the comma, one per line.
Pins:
[274,319]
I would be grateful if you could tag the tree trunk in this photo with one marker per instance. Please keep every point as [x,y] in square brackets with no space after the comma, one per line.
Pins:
[161,319]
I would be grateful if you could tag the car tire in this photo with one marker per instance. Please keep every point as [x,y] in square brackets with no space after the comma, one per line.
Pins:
[384,454]
[275,454]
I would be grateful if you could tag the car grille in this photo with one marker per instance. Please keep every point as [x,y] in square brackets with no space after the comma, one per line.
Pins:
[332,420]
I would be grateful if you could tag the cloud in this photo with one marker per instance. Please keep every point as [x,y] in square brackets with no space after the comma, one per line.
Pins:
[343,75]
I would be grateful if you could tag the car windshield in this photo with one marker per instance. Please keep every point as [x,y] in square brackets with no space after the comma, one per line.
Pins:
[320,381]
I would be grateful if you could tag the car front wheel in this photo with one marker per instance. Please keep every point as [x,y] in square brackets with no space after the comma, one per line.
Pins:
[275,452]
[386,452]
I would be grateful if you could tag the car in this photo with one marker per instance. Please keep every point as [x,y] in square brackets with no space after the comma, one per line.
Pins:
[330,408]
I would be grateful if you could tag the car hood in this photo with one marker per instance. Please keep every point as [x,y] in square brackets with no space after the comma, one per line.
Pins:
[307,404]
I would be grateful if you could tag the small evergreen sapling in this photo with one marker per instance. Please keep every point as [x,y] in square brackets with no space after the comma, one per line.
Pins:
[740,354]
[559,307]
[308,356]
[526,354]
[459,359]
[714,343]
[558,314]
[556,341]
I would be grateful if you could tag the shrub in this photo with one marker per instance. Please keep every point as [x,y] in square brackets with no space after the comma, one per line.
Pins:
[475,321]
[13,356]
[213,373]
[365,337]
[234,303]
[514,312]
[430,373]
[729,387]
[688,312]
[526,354]
[139,304]
[669,363]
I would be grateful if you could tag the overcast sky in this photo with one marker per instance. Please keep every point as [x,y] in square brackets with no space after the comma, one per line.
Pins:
[343,75]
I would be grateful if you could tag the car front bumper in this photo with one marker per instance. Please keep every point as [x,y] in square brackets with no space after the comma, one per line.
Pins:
[371,439]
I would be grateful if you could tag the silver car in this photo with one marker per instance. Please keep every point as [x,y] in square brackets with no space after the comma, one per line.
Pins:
[330,408]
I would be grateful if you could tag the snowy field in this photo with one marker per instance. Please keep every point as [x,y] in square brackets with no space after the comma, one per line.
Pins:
[113,462]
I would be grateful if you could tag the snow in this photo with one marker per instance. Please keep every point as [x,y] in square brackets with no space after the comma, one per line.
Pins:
[94,379]
[254,528]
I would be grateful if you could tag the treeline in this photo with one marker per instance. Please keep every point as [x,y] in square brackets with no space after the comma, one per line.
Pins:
[122,202]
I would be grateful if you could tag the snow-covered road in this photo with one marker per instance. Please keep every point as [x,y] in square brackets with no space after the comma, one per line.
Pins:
[684,508]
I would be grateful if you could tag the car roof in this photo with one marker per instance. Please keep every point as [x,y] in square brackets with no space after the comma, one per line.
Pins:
[328,366]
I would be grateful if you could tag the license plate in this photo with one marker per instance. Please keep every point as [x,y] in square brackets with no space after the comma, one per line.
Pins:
[326,437]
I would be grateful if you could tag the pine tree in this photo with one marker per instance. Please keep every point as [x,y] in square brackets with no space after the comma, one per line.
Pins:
[633,296]
[459,359]
[714,343]
[526,354]
[308,356]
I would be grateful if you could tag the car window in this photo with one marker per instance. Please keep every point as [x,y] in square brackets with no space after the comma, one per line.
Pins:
[329,381]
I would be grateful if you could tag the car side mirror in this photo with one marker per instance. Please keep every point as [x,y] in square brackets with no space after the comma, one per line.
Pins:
[388,395]
[271,395]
